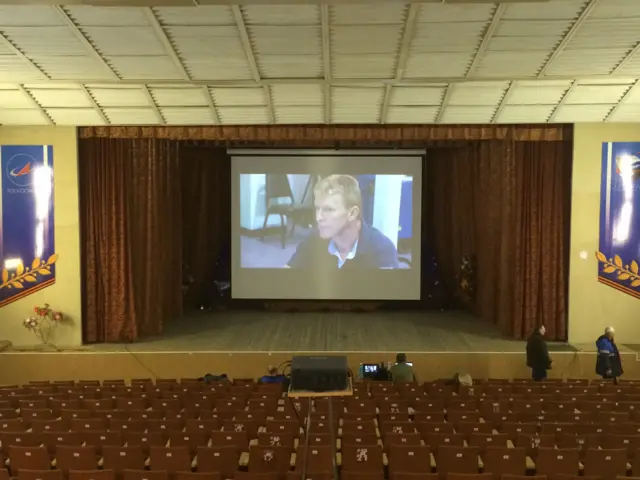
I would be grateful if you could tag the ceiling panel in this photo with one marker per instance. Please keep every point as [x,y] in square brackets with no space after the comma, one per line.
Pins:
[49,97]
[582,113]
[296,95]
[300,115]
[75,116]
[188,116]
[243,115]
[131,116]
[525,114]
[22,116]
[413,114]
[468,114]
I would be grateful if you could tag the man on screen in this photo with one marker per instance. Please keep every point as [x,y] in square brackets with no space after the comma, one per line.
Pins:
[342,239]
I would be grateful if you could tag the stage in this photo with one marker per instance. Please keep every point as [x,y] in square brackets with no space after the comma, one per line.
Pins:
[378,331]
[244,343]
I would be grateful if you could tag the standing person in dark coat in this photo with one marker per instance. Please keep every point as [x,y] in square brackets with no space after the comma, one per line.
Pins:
[609,364]
[538,355]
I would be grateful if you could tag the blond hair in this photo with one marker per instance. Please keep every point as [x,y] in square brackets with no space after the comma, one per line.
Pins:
[345,185]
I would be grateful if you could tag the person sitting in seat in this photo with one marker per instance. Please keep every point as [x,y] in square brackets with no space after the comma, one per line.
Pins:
[402,372]
[272,376]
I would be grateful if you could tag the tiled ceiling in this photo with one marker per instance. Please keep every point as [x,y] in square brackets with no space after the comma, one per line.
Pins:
[514,62]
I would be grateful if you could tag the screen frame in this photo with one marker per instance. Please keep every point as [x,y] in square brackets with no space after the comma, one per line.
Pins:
[405,162]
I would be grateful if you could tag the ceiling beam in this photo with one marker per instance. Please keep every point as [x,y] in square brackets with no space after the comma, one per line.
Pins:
[569,36]
[212,104]
[153,105]
[327,104]
[84,41]
[444,103]
[166,42]
[635,51]
[246,42]
[35,104]
[486,39]
[386,100]
[624,97]
[564,97]
[269,104]
[16,51]
[351,82]
[95,105]
[408,32]
[503,102]
[325,29]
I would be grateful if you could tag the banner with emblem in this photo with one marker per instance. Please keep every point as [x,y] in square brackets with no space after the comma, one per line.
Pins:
[27,248]
[619,250]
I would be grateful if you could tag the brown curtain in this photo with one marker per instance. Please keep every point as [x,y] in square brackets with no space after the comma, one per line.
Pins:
[206,214]
[131,227]
[505,204]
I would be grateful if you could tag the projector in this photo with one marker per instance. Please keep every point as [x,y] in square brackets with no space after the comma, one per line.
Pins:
[319,374]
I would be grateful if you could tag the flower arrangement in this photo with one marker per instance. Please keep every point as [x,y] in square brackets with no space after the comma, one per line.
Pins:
[44,323]
[466,278]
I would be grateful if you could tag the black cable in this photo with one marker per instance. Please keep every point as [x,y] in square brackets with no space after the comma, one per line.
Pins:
[295,411]
[306,443]
[334,440]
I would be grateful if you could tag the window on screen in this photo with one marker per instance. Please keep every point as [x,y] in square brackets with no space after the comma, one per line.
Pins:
[316,227]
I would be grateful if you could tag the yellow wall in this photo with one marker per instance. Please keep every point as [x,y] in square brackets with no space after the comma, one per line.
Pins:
[592,305]
[64,295]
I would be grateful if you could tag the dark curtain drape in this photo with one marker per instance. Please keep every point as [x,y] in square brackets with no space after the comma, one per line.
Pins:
[206,216]
[131,236]
[506,204]
[154,199]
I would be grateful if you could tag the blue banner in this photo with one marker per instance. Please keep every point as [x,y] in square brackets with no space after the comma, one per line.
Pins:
[27,248]
[619,252]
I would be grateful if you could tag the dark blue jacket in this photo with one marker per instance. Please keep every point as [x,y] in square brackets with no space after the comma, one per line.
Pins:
[374,250]
[608,358]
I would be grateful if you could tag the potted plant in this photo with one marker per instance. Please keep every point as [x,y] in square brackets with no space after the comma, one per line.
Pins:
[43,325]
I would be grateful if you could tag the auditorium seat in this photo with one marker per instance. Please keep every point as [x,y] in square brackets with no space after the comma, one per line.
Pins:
[72,457]
[284,439]
[501,461]
[436,440]
[28,458]
[145,475]
[119,459]
[486,440]
[456,459]
[607,464]
[361,459]
[257,476]
[316,460]
[409,459]
[191,440]
[24,474]
[413,476]
[91,475]
[469,476]
[269,459]
[238,439]
[222,459]
[564,461]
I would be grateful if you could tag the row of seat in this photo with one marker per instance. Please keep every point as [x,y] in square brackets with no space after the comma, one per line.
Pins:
[415,459]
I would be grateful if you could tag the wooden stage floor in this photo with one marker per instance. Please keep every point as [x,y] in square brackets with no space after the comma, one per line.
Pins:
[243,343]
[386,331]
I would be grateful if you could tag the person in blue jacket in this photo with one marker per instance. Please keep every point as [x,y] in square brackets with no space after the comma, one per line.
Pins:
[608,364]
